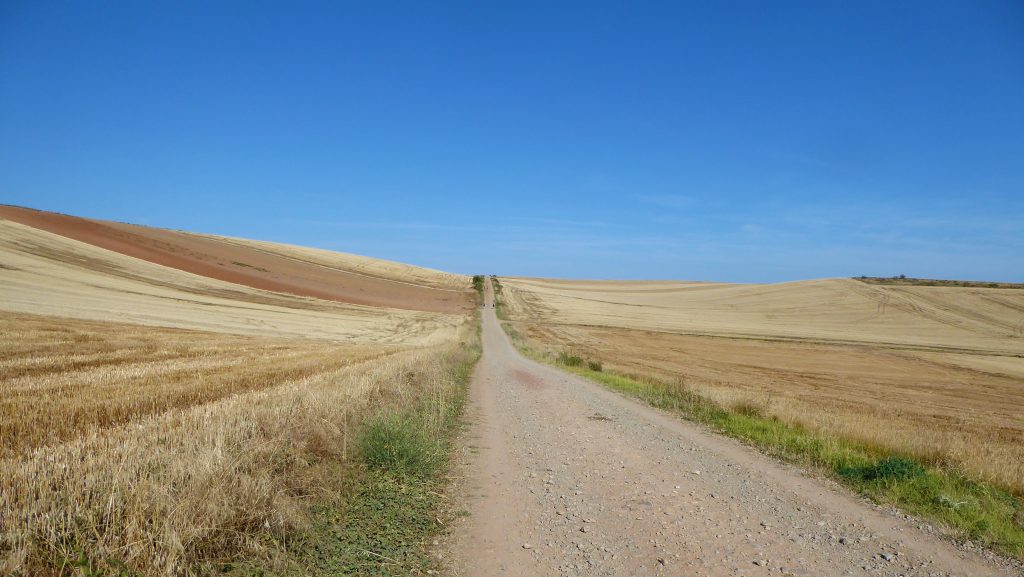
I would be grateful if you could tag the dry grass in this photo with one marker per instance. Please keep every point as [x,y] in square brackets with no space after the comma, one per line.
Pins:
[48,274]
[955,402]
[156,422]
[212,448]
[981,320]
[65,378]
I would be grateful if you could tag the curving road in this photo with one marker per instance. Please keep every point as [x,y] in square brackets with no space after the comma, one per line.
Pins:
[564,477]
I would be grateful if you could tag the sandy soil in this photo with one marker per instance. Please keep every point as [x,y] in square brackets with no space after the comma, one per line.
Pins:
[568,478]
[249,264]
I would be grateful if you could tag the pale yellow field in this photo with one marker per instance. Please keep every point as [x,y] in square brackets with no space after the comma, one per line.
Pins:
[44,273]
[983,320]
[173,422]
[65,378]
[934,371]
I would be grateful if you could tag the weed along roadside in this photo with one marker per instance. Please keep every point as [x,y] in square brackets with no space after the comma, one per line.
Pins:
[338,471]
[969,510]
[395,503]
[500,307]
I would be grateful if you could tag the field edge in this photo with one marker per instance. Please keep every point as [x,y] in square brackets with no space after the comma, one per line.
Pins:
[968,511]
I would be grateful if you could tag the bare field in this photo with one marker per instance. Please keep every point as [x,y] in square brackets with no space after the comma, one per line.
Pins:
[942,377]
[45,273]
[357,264]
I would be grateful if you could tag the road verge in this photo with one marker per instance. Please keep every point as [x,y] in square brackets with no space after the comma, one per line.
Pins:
[970,511]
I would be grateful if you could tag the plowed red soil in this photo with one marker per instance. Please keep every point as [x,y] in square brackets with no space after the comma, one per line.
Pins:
[243,265]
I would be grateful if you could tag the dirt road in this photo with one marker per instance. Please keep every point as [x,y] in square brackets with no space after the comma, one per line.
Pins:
[567,478]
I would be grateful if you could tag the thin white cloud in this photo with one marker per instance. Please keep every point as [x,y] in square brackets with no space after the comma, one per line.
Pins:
[673,201]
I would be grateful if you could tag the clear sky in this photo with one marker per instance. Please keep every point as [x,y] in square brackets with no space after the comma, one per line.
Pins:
[740,141]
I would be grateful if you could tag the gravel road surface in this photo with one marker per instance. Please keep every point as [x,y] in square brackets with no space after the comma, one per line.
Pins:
[566,478]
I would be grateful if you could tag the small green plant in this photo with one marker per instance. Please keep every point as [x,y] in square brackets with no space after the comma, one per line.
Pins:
[88,567]
[570,359]
[400,445]
[894,468]
[381,529]
[396,504]
[949,503]
[748,408]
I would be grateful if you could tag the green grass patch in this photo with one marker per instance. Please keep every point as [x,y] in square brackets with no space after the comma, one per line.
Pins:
[384,529]
[890,468]
[572,360]
[569,360]
[396,506]
[402,446]
[968,508]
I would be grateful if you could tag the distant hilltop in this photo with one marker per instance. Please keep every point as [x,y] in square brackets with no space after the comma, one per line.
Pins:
[909,281]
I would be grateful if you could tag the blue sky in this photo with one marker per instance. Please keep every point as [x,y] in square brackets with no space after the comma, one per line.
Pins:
[739,141]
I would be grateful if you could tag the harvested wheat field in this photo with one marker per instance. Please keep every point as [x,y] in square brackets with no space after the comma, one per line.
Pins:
[262,265]
[46,273]
[192,474]
[832,310]
[157,421]
[937,372]
[64,378]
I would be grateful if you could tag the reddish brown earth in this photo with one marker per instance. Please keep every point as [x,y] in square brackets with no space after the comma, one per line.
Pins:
[530,380]
[243,265]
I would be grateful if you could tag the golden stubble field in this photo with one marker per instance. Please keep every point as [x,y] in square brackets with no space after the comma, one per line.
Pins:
[934,371]
[174,422]
[65,378]
[44,273]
